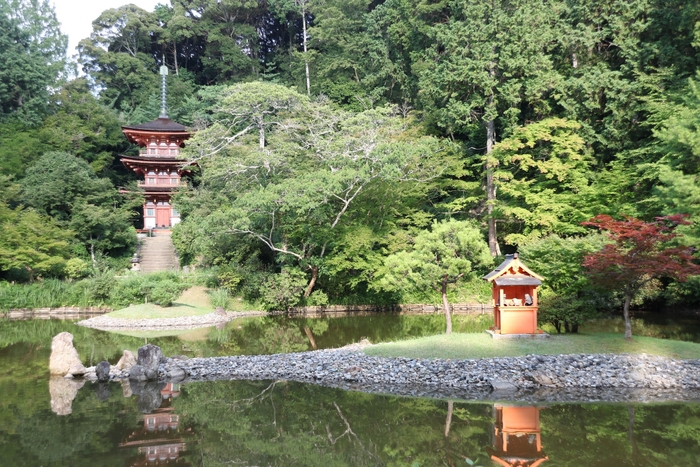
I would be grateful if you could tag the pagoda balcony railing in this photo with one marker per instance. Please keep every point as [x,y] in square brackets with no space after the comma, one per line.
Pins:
[160,152]
[166,184]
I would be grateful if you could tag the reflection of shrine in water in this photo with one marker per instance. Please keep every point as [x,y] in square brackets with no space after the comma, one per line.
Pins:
[517,437]
[160,441]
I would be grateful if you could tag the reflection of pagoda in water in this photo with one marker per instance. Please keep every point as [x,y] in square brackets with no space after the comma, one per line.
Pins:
[160,439]
[517,437]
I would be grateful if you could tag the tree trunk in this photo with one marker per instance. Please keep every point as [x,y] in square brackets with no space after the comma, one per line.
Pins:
[630,435]
[574,328]
[448,421]
[557,326]
[310,335]
[567,327]
[306,60]
[626,312]
[312,282]
[177,69]
[491,188]
[262,136]
[92,253]
[446,307]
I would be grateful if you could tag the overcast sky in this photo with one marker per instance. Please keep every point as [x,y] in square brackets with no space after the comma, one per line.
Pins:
[76,16]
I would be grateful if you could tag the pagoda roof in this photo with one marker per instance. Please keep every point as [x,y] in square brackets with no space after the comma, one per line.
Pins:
[158,160]
[512,271]
[160,124]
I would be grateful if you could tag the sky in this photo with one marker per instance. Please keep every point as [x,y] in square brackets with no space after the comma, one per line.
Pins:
[76,16]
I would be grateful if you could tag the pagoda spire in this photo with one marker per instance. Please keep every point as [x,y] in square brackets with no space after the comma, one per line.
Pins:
[163,90]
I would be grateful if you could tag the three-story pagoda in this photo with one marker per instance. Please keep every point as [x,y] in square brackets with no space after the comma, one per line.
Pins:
[158,164]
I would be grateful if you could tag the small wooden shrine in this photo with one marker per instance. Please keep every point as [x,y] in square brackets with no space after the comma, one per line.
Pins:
[517,437]
[158,165]
[514,297]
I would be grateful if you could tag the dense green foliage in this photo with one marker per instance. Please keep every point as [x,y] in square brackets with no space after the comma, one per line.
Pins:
[100,290]
[331,133]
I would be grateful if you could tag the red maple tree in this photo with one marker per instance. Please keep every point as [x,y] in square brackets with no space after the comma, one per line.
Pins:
[639,252]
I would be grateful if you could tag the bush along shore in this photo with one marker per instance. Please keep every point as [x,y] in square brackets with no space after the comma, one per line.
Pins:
[533,377]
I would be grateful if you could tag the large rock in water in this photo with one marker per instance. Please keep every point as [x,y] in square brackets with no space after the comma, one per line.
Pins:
[146,368]
[64,358]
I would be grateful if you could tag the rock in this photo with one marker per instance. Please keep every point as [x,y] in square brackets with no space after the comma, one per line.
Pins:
[63,392]
[542,380]
[102,371]
[126,388]
[176,374]
[77,370]
[149,357]
[102,391]
[64,358]
[149,395]
[127,361]
[220,311]
[502,385]
[137,373]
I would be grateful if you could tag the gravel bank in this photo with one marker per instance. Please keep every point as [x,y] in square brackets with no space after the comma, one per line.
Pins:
[186,322]
[532,378]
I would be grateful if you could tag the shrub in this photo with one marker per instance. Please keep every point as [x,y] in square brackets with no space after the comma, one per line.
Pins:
[165,292]
[76,268]
[220,298]
[317,298]
[282,291]
[231,278]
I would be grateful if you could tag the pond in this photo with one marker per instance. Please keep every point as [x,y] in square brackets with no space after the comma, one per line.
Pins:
[277,423]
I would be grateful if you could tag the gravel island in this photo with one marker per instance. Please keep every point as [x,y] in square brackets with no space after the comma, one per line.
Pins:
[529,378]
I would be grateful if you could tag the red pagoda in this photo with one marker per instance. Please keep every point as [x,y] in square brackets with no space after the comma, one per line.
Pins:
[158,164]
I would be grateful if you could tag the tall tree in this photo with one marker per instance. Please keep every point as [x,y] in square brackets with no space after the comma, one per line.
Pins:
[638,253]
[65,187]
[543,174]
[119,55]
[32,51]
[492,76]
[295,171]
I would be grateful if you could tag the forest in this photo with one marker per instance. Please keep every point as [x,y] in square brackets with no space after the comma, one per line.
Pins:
[341,144]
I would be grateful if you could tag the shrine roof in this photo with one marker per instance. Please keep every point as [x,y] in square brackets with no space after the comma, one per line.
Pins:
[512,263]
[159,124]
[517,279]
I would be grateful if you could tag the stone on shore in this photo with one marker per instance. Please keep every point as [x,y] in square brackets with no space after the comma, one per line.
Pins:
[149,357]
[64,358]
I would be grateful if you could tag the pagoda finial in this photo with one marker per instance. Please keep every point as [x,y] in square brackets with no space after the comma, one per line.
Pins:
[163,92]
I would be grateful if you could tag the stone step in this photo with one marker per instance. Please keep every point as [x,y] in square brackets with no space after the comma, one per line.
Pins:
[158,253]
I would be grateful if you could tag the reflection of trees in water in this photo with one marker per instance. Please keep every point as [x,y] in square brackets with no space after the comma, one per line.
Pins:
[283,423]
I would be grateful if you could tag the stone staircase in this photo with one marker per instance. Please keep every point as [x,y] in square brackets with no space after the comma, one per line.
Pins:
[158,253]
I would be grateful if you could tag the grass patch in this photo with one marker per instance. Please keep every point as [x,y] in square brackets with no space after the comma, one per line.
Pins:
[192,302]
[466,346]
[150,310]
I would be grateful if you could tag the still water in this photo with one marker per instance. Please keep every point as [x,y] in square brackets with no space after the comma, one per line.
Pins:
[277,423]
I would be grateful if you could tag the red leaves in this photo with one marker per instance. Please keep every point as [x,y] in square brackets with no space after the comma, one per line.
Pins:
[640,251]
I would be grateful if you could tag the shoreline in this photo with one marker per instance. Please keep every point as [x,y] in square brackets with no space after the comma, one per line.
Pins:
[533,378]
[106,323]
